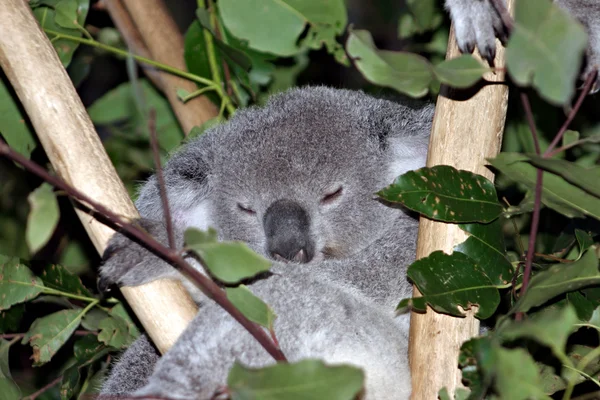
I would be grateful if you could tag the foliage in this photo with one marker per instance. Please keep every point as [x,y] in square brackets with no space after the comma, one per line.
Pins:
[543,331]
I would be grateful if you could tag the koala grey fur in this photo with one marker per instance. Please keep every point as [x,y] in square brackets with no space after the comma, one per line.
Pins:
[477,23]
[271,177]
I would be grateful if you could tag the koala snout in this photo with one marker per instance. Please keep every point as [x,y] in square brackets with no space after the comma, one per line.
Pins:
[287,229]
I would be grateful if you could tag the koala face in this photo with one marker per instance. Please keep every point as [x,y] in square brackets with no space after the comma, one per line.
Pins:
[296,179]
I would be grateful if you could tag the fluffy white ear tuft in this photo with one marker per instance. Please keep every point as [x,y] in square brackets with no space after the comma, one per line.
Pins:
[408,153]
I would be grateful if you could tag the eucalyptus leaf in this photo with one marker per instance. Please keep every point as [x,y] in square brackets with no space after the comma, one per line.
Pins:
[14,125]
[460,72]
[48,334]
[446,194]
[587,179]
[66,14]
[307,379]
[58,277]
[559,279]
[17,283]
[69,382]
[557,193]
[451,284]
[43,217]
[517,375]
[10,319]
[584,240]
[545,49]
[485,245]
[407,73]
[251,306]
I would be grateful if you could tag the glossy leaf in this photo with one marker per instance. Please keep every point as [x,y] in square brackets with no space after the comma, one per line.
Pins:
[307,379]
[546,49]
[251,306]
[559,279]
[87,348]
[445,194]
[48,334]
[17,283]
[485,245]
[405,72]
[557,193]
[451,284]
[117,330]
[59,278]
[460,72]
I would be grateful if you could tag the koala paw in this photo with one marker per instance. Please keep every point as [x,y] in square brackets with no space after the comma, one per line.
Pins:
[477,23]
[128,264]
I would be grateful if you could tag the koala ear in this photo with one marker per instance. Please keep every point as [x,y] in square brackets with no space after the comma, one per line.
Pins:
[407,153]
[187,181]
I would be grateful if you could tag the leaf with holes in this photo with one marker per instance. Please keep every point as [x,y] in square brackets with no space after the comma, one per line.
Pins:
[405,72]
[445,194]
[17,283]
[48,334]
[307,379]
[559,279]
[485,245]
[545,49]
[451,284]
[251,306]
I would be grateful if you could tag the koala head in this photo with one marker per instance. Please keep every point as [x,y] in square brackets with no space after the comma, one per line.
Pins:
[296,179]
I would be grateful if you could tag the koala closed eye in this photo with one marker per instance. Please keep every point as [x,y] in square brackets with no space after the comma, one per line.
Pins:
[332,196]
[246,209]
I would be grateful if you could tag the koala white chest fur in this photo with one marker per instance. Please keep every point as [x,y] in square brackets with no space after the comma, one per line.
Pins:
[294,179]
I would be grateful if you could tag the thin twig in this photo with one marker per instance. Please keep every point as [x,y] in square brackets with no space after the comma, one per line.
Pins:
[215,25]
[136,234]
[589,81]
[38,393]
[530,121]
[162,187]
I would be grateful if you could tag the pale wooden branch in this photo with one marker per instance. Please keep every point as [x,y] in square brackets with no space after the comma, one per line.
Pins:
[165,43]
[122,20]
[77,155]
[463,135]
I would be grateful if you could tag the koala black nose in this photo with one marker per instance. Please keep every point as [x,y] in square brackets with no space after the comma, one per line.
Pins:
[287,229]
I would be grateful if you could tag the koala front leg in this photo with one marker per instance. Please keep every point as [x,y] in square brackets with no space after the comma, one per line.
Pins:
[477,23]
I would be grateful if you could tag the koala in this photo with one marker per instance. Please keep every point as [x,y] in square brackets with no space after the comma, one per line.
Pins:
[478,23]
[295,180]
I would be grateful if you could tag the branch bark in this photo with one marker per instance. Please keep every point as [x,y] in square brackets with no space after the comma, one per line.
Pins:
[464,133]
[165,43]
[77,155]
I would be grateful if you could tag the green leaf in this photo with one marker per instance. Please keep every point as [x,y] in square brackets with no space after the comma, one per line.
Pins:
[557,193]
[517,375]
[545,49]
[275,26]
[59,278]
[251,306]
[570,137]
[584,240]
[587,179]
[8,388]
[48,334]
[69,382]
[17,283]
[43,217]
[66,14]
[459,394]
[14,126]
[87,348]
[444,193]
[552,383]
[426,14]
[117,330]
[550,327]
[47,16]
[229,262]
[559,279]
[451,284]
[307,379]
[91,320]
[197,236]
[485,245]
[407,73]
[584,306]
[460,72]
